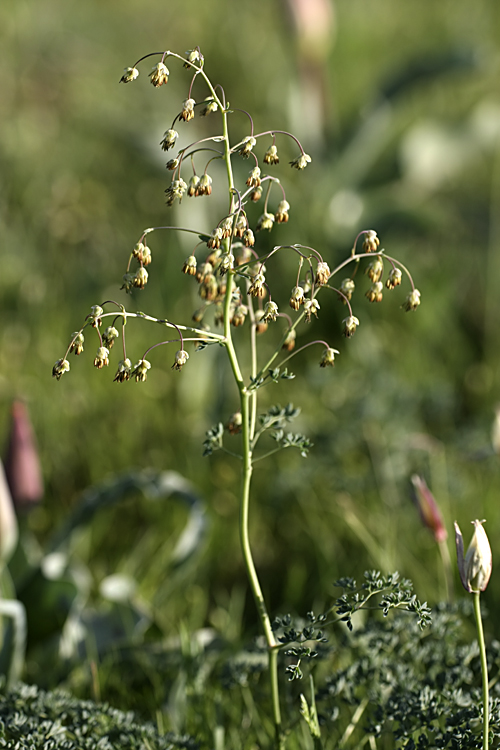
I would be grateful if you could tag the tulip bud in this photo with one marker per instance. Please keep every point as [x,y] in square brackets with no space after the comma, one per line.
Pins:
[428,509]
[475,569]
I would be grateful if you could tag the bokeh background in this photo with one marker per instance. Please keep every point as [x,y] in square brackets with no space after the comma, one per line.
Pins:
[398,104]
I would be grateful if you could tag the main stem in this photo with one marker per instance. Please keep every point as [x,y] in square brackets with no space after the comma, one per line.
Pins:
[484,669]
[248,406]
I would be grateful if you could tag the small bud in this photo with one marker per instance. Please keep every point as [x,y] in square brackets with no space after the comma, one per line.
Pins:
[350,324]
[142,253]
[187,112]
[77,342]
[239,315]
[261,323]
[60,367]
[370,241]
[227,227]
[159,75]
[193,185]
[257,287]
[289,342]
[428,509]
[234,422]
[216,237]
[301,161]
[95,316]
[169,138]
[347,288]
[101,358]
[394,278]
[226,263]
[123,372]
[311,307]
[248,238]
[109,336]
[271,155]
[181,358]
[189,266]
[322,273]
[129,74]
[328,358]
[254,177]
[210,106]
[256,194]
[412,301]
[193,56]
[475,569]
[205,186]
[281,214]
[270,311]
[140,278]
[266,221]
[374,293]
[297,297]
[240,225]
[172,164]
[247,146]
[140,371]
[375,269]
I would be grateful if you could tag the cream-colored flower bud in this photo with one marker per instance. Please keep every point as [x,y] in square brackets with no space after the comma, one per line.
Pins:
[248,238]
[189,266]
[475,568]
[346,288]
[289,342]
[374,293]
[60,367]
[77,342]
[205,186]
[159,75]
[109,336]
[301,161]
[193,185]
[169,138]
[129,74]
[254,177]
[297,297]
[266,221]
[247,145]
[394,278]
[124,371]
[370,241]
[210,106]
[350,324]
[271,155]
[281,214]
[375,269]
[322,273]
[172,164]
[101,358]
[181,358]
[412,301]
[270,311]
[216,238]
[328,358]
[140,371]
[140,278]
[311,307]
[239,315]
[257,288]
[226,263]
[187,112]
[95,316]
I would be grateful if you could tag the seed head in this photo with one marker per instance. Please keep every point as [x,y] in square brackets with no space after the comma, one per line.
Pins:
[374,293]
[60,367]
[101,358]
[301,161]
[266,221]
[123,372]
[412,301]
[370,241]
[187,112]
[77,342]
[159,75]
[350,324]
[140,278]
[271,155]
[394,278]
[109,335]
[247,146]
[270,311]
[475,569]
[328,358]
[189,266]
[375,269]
[254,177]
[311,307]
[297,297]
[322,273]
[140,371]
[281,214]
[181,358]
[129,74]
[169,138]
[347,288]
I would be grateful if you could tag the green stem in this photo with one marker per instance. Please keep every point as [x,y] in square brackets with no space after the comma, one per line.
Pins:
[484,668]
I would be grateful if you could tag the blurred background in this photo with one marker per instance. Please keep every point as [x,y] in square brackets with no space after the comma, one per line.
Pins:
[399,107]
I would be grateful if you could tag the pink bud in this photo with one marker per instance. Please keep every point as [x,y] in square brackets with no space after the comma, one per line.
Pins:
[428,509]
[22,464]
